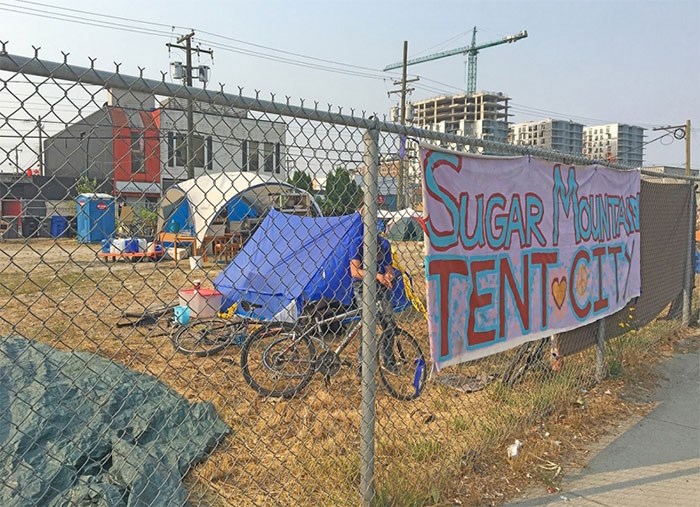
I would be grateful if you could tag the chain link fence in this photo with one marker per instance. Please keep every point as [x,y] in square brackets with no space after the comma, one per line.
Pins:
[189,315]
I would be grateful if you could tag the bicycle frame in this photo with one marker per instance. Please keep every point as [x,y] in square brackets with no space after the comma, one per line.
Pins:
[350,334]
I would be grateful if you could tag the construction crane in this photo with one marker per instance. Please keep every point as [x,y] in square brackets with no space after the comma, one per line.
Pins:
[470,51]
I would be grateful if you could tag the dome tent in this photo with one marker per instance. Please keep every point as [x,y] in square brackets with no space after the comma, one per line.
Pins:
[194,204]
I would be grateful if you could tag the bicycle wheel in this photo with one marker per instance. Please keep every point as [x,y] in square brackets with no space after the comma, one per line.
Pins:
[206,337]
[405,371]
[526,356]
[277,361]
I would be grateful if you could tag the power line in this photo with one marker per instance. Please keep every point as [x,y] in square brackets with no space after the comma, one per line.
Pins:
[212,34]
[515,106]
[532,109]
[233,49]
[291,53]
[458,88]
[157,33]
[132,20]
[120,26]
[542,113]
[440,44]
[85,21]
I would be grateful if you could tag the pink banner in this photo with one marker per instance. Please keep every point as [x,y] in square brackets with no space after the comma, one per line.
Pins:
[520,249]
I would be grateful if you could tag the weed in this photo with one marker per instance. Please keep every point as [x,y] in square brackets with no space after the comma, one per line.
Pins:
[424,450]
[460,424]
[614,366]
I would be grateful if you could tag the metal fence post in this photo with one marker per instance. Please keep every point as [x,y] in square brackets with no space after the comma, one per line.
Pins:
[369,303]
[689,271]
[600,370]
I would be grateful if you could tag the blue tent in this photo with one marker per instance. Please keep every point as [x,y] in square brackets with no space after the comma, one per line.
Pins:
[291,260]
[180,219]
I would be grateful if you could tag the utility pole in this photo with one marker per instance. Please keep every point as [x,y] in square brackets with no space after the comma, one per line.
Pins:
[17,150]
[41,148]
[401,183]
[680,132]
[187,80]
[687,147]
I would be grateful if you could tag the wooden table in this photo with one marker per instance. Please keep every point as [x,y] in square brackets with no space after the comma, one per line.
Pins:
[226,246]
[175,238]
[208,240]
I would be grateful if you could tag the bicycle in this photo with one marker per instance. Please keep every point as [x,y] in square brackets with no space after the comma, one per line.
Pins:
[206,337]
[286,354]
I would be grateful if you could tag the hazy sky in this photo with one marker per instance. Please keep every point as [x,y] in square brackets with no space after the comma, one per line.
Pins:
[635,61]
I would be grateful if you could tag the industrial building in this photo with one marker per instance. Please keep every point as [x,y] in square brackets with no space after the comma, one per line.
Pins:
[615,142]
[224,139]
[139,148]
[117,145]
[558,135]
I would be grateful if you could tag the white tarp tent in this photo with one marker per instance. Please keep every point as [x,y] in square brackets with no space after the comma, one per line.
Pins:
[208,195]
[402,225]
[396,216]
[385,215]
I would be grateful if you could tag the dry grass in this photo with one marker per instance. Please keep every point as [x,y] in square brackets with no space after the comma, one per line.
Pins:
[446,445]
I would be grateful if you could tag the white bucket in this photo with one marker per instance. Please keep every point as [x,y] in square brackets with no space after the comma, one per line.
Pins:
[196,262]
[181,253]
[118,246]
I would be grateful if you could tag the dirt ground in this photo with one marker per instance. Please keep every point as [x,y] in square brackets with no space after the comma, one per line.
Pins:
[448,447]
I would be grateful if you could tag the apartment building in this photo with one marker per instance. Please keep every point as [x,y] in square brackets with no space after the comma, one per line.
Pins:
[616,142]
[482,114]
[558,135]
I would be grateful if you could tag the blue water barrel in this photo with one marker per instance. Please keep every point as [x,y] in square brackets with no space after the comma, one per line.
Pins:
[131,246]
[59,226]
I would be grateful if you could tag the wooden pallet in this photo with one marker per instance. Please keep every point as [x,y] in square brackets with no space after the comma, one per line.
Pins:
[132,257]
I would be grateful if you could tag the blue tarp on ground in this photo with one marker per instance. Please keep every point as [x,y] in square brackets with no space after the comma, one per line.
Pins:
[291,260]
[78,429]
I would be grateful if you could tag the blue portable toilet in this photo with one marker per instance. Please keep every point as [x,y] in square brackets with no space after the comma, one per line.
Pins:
[96,217]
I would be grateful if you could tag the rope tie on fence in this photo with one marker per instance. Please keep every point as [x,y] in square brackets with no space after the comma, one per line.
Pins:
[408,287]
